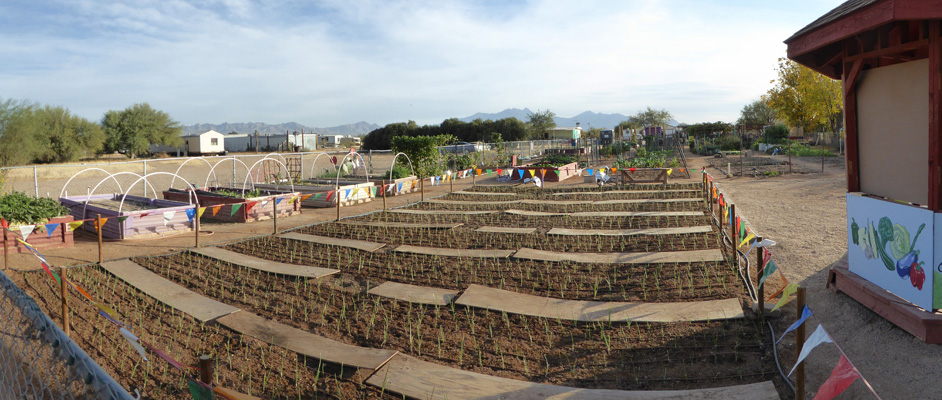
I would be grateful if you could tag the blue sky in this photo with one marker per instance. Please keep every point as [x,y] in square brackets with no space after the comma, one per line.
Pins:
[331,62]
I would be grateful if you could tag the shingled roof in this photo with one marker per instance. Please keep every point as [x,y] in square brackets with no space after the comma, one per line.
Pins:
[847,8]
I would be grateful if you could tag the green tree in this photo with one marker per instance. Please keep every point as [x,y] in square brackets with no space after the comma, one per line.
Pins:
[805,98]
[540,123]
[756,114]
[135,128]
[66,137]
[18,132]
[423,151]
[650,117]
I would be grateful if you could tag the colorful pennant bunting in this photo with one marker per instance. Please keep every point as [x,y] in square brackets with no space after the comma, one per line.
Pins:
[521,173]
[73,225]
[234,209]
[134,341]
[190,213]
[307,196]
[591,172]
[278,200]
[841,377]
[50,228]
[26,230]
[199,213]
[817,337]
[199,391]
[216,209]
[805,313]
[168,216]
[249,205]
[103,221]
[790,289]
[770,267]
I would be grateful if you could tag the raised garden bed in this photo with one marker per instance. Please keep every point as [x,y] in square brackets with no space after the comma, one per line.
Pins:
[61,237]
[20,209]
[257,205]
[547,173]
[146,217]
[320,189]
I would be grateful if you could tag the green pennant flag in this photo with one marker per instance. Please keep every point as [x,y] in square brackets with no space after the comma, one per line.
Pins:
[770,267]
[317,195]
[235,209]
[742,227]
[199,392]
[121,219]
[556,171]
[489,172]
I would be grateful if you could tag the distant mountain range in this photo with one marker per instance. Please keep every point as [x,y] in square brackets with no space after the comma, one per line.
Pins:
[356,129]
[586,119]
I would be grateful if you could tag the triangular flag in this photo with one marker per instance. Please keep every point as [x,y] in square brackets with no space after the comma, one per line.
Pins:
[347,193]
[52,274]
[669,170]
[25,230]
[278,200]
[249,205]
[614,170]
[532,172]
[4,223]
[790,289]
[318,195]
[746,240]
[742,227]
[556,171]
[50,228]
[770,267]
[235,208]
[103,221]
[265,202]
[805,313]
[329,194]
[489,172]
[200,212]
[307,196]
[591,172]
[399,188]
[199,391]
[543,172]
[478,170]
[106,310]
[841,377]
[144,214]
[521,173]
[134,341]
[499,171]
[122,219]
[166,357]
[73,225]
[168,216]
[693,170]
[817,337]
[216,209]
[190,213]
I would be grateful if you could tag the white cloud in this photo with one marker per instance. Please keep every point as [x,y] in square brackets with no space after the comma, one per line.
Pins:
[334,62]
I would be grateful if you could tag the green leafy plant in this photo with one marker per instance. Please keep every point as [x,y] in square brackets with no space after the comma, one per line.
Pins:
[19,208]
[557,160]
[237,193]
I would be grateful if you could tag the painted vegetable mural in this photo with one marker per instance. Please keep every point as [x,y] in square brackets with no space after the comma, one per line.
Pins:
[873,240]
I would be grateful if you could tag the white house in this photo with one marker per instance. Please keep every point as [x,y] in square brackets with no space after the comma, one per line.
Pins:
[329,140]
[564,133]
[210,142]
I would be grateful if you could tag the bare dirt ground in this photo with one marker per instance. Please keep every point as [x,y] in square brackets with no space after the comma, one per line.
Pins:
[806,215]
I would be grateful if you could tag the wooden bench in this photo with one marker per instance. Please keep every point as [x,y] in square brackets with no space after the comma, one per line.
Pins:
[627,177]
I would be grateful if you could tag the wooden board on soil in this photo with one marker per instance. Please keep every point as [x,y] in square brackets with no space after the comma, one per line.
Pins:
[440,212]
[590,311]
[400,224]
[438,251]
[528,213]
[630,232]
[202,308]
[625,192]
[622,258]
[640,201]
[262,264]
[466,202]
[486,193]
[351,243]
[504,229]
[419,379]
[637,214]
[306,343]
[415,294]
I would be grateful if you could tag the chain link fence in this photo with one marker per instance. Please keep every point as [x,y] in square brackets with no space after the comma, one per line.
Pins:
[38,361]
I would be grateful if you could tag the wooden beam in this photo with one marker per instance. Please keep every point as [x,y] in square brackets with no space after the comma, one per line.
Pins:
[935,114]
[860,21]
[888,51]
[850,81]
[917,9]
[850,130]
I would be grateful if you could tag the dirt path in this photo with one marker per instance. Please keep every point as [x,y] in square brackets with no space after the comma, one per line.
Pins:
[806,215]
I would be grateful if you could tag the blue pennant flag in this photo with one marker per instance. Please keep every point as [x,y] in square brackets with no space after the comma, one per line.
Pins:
[347,193]
[399,189]
[521,173]
[278,200]
[50,228]
[190,213]
[591,171]
[805,313]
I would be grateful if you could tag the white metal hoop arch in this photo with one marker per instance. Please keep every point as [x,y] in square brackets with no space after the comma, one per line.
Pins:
[394,164]
[213,168]
[249,174]
[283,159]
[314,164]
[337,183]
[139,178]
[110,175]
[177,172]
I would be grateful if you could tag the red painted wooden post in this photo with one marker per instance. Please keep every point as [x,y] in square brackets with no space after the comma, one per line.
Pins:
[850,130]
[935,117]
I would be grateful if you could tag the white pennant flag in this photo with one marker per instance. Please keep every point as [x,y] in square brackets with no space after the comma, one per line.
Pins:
[168,216]
[25,230]
[134,341]
[819,336]
[265,202]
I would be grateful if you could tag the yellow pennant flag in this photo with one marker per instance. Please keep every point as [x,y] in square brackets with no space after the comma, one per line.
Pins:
[669,170]
[200,212]
[746,239]
[74,225]
[789,290]
[532,172]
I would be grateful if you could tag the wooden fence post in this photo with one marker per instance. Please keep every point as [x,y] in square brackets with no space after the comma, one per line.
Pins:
[196,227]
[337,196]
[383,189]
[206,369]
[760,252]
[274,215]
[64,293]
[100,228]
[6,251]
[799,343]
[422,188]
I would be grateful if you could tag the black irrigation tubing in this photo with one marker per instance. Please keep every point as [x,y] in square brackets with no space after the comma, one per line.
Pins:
[747,280]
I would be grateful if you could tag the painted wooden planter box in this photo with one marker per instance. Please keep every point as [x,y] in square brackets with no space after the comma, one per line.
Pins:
[146,217]
[40,239]
[351,192]
[253,209]
[406,186]
[565,172]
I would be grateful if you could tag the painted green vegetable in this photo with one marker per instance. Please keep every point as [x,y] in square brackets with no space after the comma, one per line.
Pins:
[853,231]
[900,246]
[879,241]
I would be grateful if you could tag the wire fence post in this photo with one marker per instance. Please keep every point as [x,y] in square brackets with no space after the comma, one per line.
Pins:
[36,181]
[799,343]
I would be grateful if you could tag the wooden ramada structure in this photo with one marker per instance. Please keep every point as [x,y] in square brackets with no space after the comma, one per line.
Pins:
[888,54]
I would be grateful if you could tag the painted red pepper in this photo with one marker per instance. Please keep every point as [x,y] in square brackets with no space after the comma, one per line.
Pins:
[917,276]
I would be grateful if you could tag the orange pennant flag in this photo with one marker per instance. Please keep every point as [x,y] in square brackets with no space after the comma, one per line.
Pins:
[103,221]
[216,209]
[307,196]
[478,171]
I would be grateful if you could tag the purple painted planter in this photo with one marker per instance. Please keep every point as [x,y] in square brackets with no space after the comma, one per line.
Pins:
[139,223]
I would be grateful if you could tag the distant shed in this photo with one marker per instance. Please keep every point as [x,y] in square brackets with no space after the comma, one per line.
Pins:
[209,142]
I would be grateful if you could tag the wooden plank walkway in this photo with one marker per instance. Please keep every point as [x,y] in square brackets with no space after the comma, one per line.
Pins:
[589,311]
[440,212]
[625,192]
[439,251]
[260,264]
[485,193]
[400,224]
[630,232]
[468,202]
[306,343]
[189,302]
[411,377]
[351,243]
[622,258]
[504,229]
[637,214]
[535,213]
[415,294]
[643,201]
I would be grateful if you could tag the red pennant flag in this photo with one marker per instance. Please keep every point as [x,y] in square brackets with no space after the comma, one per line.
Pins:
[330,193]
[248,206]
[4,223]
[841,377]
[499,171]
[632,169]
